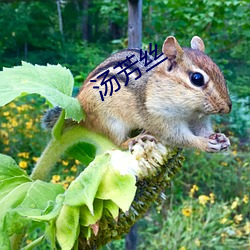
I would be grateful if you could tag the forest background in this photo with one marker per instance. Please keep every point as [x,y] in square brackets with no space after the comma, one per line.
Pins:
[207,205]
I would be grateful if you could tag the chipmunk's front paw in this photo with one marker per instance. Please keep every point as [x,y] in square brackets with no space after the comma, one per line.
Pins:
[218,142]
[141,139]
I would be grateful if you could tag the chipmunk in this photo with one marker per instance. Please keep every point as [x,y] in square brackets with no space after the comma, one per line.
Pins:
[172,102]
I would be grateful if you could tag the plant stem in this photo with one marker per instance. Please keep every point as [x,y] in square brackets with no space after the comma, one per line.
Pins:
[16,240]
[57,147]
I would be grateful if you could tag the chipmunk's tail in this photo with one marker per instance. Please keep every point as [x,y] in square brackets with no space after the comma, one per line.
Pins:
[50,117]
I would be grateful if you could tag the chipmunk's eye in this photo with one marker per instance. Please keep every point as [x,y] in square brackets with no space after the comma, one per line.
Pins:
[197,79]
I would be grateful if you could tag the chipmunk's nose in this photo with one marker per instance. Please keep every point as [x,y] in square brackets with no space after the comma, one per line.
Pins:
[226,109]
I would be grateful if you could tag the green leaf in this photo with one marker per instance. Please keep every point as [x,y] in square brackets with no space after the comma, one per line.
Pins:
[50,234]
[101,180]
[14,198]
[86,218]
[9,168]
[26,202]
[6,186]
[39,194]
[7,220]
[50,213]
[53,82]
[118,188]
[83,152]
[67,226]
[83,189]
[20,197]
[14,223]
[58,127]
[4,240]
[112,208]
[86,231]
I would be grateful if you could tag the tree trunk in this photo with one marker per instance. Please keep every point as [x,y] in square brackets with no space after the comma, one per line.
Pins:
[131,238]
[134,23]
[85,19]
[59,16]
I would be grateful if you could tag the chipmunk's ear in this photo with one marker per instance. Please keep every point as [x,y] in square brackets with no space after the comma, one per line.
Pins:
[172,49]
[197,43]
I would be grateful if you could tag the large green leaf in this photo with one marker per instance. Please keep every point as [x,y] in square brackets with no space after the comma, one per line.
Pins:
[100,190]
[67,226]
[53,82]
[83,189]
[83,152]
[20,197]
[118,188]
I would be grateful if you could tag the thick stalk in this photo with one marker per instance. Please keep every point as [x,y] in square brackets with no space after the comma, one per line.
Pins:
[57,147]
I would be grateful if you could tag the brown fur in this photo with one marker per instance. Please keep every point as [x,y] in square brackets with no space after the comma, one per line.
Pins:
[163,101]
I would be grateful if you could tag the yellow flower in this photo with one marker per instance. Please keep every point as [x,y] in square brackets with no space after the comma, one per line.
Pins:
[29,124]
[73,168]
[65,185]
[77,162]
[6,141]
[223,220]
[24,107]
[70,178]
[28,241]
[197,152]
[35,159]
[235,203]
[234,152]
[65,163]
[6,113]
[223,235]
[14,123]
[238,218]
[24,154]
[203,199]
[183,248]
[238,233]
[193,190]
[197,242]
[4,134]
[245,199]
[23,164]
[55,178]
[224,164]
[238,159]
[211,195]
[247,227]
[187,211]
[6,149]
[12,105]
